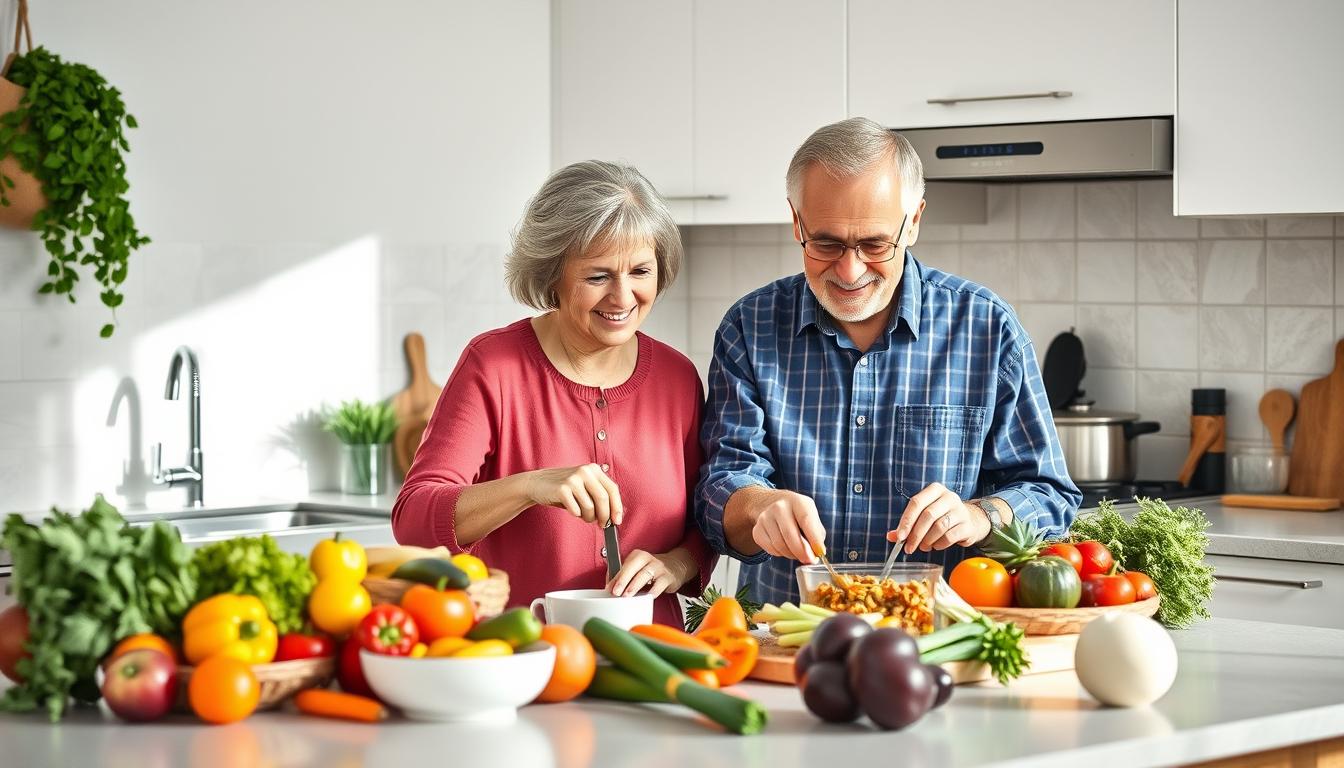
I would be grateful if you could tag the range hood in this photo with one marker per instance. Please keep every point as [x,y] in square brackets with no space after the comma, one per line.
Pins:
[1084,149]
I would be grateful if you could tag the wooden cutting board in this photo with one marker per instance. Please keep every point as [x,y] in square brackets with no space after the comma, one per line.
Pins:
[1317,467]
[1280,501]
[1048,653]
[414,404]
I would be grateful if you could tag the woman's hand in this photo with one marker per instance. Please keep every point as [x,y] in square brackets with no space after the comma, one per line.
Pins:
[660,573]
[585,491]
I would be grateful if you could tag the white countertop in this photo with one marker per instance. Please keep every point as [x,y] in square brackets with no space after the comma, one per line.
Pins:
[1242,687]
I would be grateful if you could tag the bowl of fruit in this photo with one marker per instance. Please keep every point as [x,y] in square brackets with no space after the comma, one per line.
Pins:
[1049,588]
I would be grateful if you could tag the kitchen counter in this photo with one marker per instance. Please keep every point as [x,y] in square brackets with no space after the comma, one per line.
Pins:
[1278,534]
[1242,687]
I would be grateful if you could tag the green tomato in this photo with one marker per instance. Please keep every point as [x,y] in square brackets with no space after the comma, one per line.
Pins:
[1048,582]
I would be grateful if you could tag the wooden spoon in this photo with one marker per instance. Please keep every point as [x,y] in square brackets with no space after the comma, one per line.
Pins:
[1276,411]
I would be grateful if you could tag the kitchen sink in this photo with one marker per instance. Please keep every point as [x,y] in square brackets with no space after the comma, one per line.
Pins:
[282,522]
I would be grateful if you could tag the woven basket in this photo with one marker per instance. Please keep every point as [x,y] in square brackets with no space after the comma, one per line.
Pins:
[279,680]
[1064,621]
[489,595]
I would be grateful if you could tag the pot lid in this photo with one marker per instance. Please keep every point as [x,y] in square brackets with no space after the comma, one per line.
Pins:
[1084,413]
[1063,369]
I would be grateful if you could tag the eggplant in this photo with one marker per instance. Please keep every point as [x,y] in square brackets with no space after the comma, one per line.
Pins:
[893,687]
[943,681]
[826,693]
[832,638]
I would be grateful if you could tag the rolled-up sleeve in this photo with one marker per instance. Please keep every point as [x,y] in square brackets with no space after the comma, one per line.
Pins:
[1023,463]
[733,436]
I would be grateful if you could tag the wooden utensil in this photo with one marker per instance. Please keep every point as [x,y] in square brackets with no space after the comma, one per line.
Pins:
[1276,411]
[1280,501]
[1317,466]
[1208,433]
[414,404]
[1048,653]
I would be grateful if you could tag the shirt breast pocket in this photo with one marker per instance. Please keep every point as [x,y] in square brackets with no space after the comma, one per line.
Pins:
[939,443]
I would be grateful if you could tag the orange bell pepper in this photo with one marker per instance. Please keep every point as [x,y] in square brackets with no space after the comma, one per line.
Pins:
[725,612]
[739,648]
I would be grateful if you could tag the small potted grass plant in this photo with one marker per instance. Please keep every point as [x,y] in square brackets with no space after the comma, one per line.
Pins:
[365,432]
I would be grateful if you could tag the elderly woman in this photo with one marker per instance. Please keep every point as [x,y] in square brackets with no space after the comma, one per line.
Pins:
[555,425]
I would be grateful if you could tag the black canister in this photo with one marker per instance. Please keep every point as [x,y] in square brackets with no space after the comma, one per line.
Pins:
[1208,425]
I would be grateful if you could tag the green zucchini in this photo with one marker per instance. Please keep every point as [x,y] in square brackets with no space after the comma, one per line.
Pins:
[623,650]
[682,658]
[612,683]
[432,570]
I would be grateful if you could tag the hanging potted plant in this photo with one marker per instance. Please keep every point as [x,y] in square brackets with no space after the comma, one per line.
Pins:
[63,174]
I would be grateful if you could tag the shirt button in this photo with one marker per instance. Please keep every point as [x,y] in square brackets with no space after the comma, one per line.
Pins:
[861,420]
[858,487]
[601,402]
[602,434]
[853,555]
[863,360]
[606,467]
[603,551]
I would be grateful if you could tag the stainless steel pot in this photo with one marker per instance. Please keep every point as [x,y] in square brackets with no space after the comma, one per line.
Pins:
[1099,445]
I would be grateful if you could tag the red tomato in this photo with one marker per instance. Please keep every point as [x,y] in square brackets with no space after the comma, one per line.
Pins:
[350,671]
[294,645]
[439,612]
[1143,586]
[1100,589]
[1067,552]
[13,636]
[1096,558]
[982,582]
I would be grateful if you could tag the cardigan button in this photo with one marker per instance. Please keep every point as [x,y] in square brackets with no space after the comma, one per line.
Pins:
[601,402]
[606,467]
[601,434]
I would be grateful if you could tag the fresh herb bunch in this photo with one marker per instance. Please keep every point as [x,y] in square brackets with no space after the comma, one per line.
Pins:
[257,566]
[1164,543]
[358,423]
[88,581]
[697,606]
[68,132]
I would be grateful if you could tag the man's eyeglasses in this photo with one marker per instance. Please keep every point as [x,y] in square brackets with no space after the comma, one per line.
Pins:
[870,251]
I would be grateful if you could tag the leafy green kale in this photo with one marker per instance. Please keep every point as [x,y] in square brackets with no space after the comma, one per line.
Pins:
[86,582]
[257,566]
[1164,543]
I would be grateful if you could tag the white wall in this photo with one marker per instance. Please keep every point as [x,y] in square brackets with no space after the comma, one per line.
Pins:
[319,177]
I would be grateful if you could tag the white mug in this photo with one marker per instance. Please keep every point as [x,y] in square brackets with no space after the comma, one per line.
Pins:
[576,606]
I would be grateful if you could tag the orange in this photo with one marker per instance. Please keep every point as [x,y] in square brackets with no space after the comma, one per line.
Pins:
[982,582]
[575,663]
[146,640]
[223,690]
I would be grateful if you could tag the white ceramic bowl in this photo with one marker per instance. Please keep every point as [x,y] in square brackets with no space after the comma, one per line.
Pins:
[486,689]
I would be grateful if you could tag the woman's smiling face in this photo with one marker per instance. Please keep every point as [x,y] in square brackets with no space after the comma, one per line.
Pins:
[603,296]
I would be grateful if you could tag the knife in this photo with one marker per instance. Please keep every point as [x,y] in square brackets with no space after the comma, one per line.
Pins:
[613,550]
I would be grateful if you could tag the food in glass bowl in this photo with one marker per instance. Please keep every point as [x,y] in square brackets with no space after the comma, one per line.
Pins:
[906,595]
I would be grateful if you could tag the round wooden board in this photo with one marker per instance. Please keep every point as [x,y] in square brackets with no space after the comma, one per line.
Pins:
[1064,621]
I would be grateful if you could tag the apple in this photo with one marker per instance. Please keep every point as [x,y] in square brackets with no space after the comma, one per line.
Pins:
[140,685]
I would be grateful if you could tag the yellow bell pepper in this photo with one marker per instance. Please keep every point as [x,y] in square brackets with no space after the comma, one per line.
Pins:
[336,559]
[229,625]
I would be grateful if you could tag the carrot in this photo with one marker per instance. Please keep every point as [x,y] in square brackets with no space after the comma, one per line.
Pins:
[347,706]
[672,636]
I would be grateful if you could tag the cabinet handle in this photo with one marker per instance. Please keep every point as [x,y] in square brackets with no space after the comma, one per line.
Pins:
[1295,583]
[1008,97]
[712,196]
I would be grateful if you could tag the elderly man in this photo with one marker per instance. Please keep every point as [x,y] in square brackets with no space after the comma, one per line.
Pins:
[870,398]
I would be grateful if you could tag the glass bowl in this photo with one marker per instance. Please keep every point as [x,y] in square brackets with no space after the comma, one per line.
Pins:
[1256,469]
[907,594]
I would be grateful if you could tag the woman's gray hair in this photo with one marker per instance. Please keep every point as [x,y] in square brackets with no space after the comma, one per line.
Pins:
[851,147]
[593,203]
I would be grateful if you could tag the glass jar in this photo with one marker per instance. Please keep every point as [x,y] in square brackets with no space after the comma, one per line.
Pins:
[365,468]
[1258,469]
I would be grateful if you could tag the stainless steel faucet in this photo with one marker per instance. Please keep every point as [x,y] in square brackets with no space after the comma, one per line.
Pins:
[192,475]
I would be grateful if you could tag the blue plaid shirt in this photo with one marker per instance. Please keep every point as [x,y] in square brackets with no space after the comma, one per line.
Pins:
[950,393]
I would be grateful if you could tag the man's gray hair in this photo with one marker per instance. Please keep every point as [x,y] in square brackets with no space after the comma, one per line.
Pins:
[854,146]
[582,206]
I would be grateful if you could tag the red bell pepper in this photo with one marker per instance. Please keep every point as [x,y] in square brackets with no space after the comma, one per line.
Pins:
[388,630]
[295,645]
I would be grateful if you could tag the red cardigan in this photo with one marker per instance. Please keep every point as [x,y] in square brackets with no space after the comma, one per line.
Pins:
[506,409]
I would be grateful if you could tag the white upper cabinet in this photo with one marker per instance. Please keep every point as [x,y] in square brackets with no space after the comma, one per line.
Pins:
[1259,111]
[708,98]
[1115,59]
[767,74]
[621,90]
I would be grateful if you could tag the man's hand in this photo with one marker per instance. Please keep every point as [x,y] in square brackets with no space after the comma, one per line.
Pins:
[937,518]
[785,524]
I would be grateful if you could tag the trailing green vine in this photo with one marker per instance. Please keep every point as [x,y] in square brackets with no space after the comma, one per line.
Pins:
[68,132]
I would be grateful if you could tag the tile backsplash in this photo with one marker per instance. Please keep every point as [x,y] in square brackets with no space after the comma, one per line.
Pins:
[1163,304]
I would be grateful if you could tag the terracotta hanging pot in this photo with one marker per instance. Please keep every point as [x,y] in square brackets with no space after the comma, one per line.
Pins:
[25,198]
